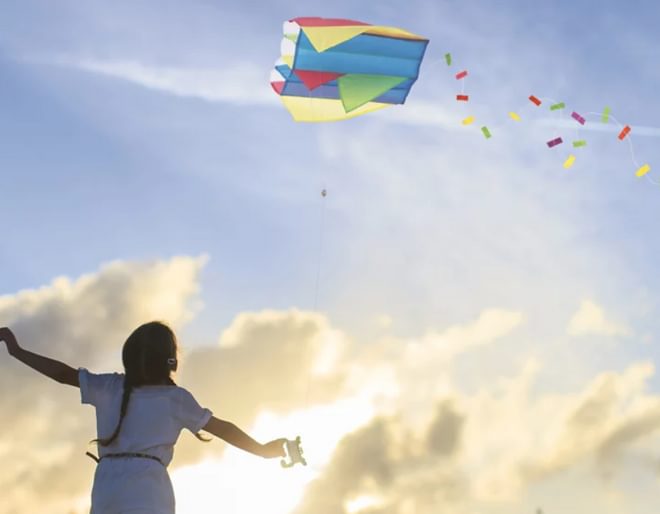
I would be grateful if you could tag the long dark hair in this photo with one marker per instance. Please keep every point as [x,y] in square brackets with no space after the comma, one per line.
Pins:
[149,356]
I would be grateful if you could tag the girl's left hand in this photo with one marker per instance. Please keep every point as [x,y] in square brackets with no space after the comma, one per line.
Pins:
[274,449]
[9,338]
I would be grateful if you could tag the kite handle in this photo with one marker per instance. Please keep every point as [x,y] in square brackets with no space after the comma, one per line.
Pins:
[294,453]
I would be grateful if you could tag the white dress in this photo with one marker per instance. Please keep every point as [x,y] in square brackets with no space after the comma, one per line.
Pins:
[154,419]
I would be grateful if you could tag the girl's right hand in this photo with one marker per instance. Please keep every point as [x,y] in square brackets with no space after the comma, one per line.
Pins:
[9,338]
[274,449]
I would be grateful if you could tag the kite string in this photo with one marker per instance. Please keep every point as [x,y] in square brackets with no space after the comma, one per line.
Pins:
[630,146]
[320,246]
[619,127]
[319,260]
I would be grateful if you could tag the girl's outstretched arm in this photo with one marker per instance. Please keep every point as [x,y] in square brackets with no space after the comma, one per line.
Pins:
[56,370]
[236,437]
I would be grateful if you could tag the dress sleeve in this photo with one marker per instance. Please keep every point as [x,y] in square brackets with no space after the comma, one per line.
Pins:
[93,387]
[189,412]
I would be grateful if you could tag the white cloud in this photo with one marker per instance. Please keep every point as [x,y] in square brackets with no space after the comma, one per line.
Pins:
[590,319]
[423,113]
[497,446]
[637,130]
[465,451]
[239,83]
[82,322]
[279,361]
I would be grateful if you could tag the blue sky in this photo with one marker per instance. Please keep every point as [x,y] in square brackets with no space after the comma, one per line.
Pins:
[99,168]
[142,130]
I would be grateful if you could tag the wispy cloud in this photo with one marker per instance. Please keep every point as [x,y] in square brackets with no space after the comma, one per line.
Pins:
[247,84]
[423,113]
[244,84]
[638,130]
[241,83]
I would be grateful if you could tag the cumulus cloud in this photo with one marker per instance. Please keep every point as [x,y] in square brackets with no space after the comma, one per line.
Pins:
[83,322]
[488,447]
[386,468]
[270,360]
[430,446]
[275,361]
[590,319]
[409,370]
[608,417]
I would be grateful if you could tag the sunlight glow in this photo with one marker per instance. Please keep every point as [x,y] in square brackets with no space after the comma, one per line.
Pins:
[228,485]
[362,502]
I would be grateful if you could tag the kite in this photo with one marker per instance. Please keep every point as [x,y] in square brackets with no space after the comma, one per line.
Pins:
[335,69]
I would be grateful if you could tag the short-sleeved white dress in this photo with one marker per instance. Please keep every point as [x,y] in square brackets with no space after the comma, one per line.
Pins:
[154,419]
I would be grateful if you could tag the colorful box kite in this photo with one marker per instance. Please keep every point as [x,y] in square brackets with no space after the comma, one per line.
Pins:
[335,69]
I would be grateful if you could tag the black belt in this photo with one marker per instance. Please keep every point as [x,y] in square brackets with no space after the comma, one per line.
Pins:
[124,456]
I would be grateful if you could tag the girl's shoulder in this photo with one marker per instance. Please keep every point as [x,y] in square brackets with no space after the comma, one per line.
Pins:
[100,379]
[176,392]
[94,386]
[182,397]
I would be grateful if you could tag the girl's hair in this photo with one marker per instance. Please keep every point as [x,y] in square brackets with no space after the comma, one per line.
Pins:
[149,356]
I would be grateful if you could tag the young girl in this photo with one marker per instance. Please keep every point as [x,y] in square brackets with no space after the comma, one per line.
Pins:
[139,415]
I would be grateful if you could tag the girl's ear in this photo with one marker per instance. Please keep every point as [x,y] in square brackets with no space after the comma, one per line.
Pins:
[172,363]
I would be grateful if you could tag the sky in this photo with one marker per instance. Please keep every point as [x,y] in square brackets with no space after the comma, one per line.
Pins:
[461,325]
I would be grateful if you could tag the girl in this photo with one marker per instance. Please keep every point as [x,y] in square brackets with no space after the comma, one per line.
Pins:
[139,415]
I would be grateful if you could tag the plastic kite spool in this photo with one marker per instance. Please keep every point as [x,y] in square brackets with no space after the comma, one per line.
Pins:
[294,454]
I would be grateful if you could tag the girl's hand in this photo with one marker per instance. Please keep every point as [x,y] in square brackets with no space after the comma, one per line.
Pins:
[9,338]
[274,449]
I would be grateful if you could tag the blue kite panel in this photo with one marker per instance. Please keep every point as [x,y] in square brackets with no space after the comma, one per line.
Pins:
[403,59]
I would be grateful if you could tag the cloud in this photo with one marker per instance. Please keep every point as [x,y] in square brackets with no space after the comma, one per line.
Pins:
[83,322]
[423,113]
[637,130]
[590,319]
[276,361]
[489,448]
[239,83]
[599,425]
[243,84]
[418,366]
[482,448]
[431,444]
[383,463]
